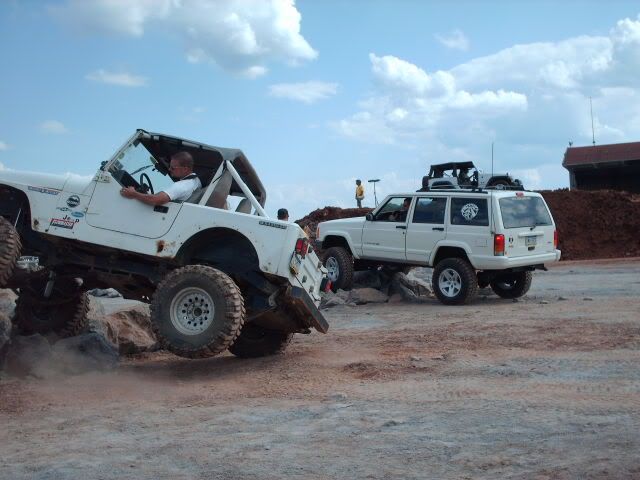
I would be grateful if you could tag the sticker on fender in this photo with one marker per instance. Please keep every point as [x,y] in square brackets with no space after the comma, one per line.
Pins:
[62,223]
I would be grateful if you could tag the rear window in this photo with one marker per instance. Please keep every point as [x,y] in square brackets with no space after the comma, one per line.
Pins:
[469,211]
[524,212]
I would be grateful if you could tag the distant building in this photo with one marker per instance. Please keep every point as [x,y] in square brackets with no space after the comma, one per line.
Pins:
[614,167]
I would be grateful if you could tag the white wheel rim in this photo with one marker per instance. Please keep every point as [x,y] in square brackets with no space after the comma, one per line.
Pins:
[449,282]
[192,311]
[333,269]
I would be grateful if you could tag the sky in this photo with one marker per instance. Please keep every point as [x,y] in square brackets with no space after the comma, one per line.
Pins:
[318,93]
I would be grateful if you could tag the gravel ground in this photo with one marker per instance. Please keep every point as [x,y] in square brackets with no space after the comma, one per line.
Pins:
[547,387]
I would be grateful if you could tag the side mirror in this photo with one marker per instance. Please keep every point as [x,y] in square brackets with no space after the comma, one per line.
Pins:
[369,217]
[102,165]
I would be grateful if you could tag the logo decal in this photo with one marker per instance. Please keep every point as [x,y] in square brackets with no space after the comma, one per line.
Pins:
[48,191]
[73,201]
[77,214]
[62,223]
[469,211]
[274,225]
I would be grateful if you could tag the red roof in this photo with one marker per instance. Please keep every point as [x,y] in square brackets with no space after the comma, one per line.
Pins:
[616,152]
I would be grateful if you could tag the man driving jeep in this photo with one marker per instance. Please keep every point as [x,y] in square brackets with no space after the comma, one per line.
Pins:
[187,182]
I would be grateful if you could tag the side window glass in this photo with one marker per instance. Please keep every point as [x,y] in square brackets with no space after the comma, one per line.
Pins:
[395,210]
[430,210]
[469,211]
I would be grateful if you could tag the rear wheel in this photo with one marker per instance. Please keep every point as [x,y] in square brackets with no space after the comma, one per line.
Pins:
[512,285]
[454,281]
[339,264]
[197,311]
[256,341]
[9,250]
[64,312]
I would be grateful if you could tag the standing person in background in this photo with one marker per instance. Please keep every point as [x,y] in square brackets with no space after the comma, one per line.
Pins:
[283,214]
[359,193]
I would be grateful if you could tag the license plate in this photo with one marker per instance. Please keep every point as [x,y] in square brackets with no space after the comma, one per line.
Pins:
[530,241]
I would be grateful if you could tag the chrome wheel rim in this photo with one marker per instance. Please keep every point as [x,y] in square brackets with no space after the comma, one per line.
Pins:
[333,269]
[192,311]
[450,282]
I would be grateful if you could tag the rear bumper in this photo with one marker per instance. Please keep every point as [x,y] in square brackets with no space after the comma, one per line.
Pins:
[304,306]
[502,263]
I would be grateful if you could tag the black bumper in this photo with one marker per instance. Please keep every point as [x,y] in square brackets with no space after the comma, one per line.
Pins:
[304,305]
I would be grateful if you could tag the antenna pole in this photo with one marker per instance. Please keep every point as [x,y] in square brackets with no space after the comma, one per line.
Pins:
[492,159]
[593,132]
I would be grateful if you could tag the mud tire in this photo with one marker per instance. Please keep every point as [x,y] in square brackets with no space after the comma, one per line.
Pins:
[463,276]
[65,317]
[256,341]
[512,285]
[224,325]
[10,248]
[341,262]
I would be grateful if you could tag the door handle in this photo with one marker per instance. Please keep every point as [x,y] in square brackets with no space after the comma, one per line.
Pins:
[161,209]
[403,227]
[439,229]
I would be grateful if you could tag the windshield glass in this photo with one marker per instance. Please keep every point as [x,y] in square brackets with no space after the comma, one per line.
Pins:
[524,212]
[134,162]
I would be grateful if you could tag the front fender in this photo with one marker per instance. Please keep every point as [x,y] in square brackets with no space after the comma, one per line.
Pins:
[355,252]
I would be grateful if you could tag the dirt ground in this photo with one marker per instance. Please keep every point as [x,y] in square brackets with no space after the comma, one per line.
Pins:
[544,388]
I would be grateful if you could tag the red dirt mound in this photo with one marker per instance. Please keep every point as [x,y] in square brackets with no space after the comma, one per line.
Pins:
[601,224]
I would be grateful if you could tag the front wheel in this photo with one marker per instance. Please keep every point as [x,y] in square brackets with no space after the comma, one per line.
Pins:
[9,250]
[197,311]
[512,285]
[454,281]
[339,264]
[64,313]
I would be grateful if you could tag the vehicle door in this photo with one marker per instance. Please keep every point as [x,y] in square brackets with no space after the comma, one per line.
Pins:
[384,236]
[470,223]
[111,211]
[426,227]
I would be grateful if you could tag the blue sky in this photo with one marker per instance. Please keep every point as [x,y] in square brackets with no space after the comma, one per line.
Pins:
[319,93]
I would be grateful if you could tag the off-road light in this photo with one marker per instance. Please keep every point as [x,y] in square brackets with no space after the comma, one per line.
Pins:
[302,245]
[498,244]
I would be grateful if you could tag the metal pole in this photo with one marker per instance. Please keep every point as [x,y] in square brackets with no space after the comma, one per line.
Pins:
[593,132]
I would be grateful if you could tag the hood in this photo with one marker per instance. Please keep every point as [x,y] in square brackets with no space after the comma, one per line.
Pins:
[32,179]
[69,182]
[343,221]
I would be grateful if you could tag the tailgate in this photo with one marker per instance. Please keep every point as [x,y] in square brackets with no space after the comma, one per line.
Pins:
[528,226]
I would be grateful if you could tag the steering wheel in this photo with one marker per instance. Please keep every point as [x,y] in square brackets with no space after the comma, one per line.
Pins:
[145,184]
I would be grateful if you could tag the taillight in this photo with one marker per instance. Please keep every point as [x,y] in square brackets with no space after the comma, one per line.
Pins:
[555,239]
[326,285]
[302,245]
[498,244]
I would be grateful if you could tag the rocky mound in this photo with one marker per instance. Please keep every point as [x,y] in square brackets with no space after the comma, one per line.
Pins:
[600,224]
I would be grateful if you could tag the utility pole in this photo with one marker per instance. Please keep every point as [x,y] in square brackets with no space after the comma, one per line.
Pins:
[374,181]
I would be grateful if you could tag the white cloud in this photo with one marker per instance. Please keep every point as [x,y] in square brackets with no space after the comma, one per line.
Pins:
[456,40]
[3,146]
[53,126]
[530,99]
[241,36]
[306,92]
[121,79]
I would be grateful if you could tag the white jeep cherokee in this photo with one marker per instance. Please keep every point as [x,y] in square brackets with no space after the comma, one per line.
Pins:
[470,237]
[216,278]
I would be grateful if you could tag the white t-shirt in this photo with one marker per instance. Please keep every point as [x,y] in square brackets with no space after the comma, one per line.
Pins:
[182,189]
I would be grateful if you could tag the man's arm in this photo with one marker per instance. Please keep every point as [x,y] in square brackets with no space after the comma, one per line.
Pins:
[159,198]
